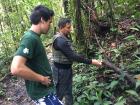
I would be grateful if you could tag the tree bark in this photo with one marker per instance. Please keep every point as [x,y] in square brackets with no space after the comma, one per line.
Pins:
[65,4]
[79,26]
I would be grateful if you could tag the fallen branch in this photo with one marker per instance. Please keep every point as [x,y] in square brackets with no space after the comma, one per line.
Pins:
[119,71]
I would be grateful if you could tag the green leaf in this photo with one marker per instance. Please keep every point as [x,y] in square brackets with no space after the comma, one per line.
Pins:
[76,103]
[107,103]
[112,84]
[138,26]
[132,92]
[80,98]
[120,98]
[93,98]
[121,102]
[138,42]
[97,103]
[136,29]
[113,29]
[130,37]
[137,84]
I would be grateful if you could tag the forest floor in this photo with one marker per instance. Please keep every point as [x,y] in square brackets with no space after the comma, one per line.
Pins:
[14,92]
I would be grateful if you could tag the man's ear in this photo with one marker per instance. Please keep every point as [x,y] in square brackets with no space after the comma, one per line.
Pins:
[42,20]
[60,27]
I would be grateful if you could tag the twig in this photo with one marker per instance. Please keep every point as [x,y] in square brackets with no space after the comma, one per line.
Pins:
[48,44]
[1,79]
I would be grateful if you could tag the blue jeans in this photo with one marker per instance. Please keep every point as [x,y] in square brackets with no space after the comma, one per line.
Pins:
[48,100]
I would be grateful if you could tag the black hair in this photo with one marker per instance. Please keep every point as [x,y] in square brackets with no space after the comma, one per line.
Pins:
[63,21]
[39,12]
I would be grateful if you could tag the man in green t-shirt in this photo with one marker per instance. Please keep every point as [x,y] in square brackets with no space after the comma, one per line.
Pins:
[31,63]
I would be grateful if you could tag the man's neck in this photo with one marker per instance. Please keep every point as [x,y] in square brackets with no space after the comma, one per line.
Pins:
[36,29]
[60,31]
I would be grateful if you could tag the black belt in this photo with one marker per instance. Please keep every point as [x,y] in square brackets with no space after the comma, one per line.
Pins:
[62,66]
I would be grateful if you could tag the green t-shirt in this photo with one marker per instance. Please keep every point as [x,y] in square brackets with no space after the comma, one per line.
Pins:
[32,49]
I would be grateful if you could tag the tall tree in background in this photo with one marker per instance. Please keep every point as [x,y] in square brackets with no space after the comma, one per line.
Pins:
[65,4]
[78,22]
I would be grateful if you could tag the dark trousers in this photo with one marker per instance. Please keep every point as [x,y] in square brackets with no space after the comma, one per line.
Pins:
[63,82]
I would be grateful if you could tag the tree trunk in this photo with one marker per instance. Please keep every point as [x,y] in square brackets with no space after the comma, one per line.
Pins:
[111,14]
[78,24]
[65,4]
